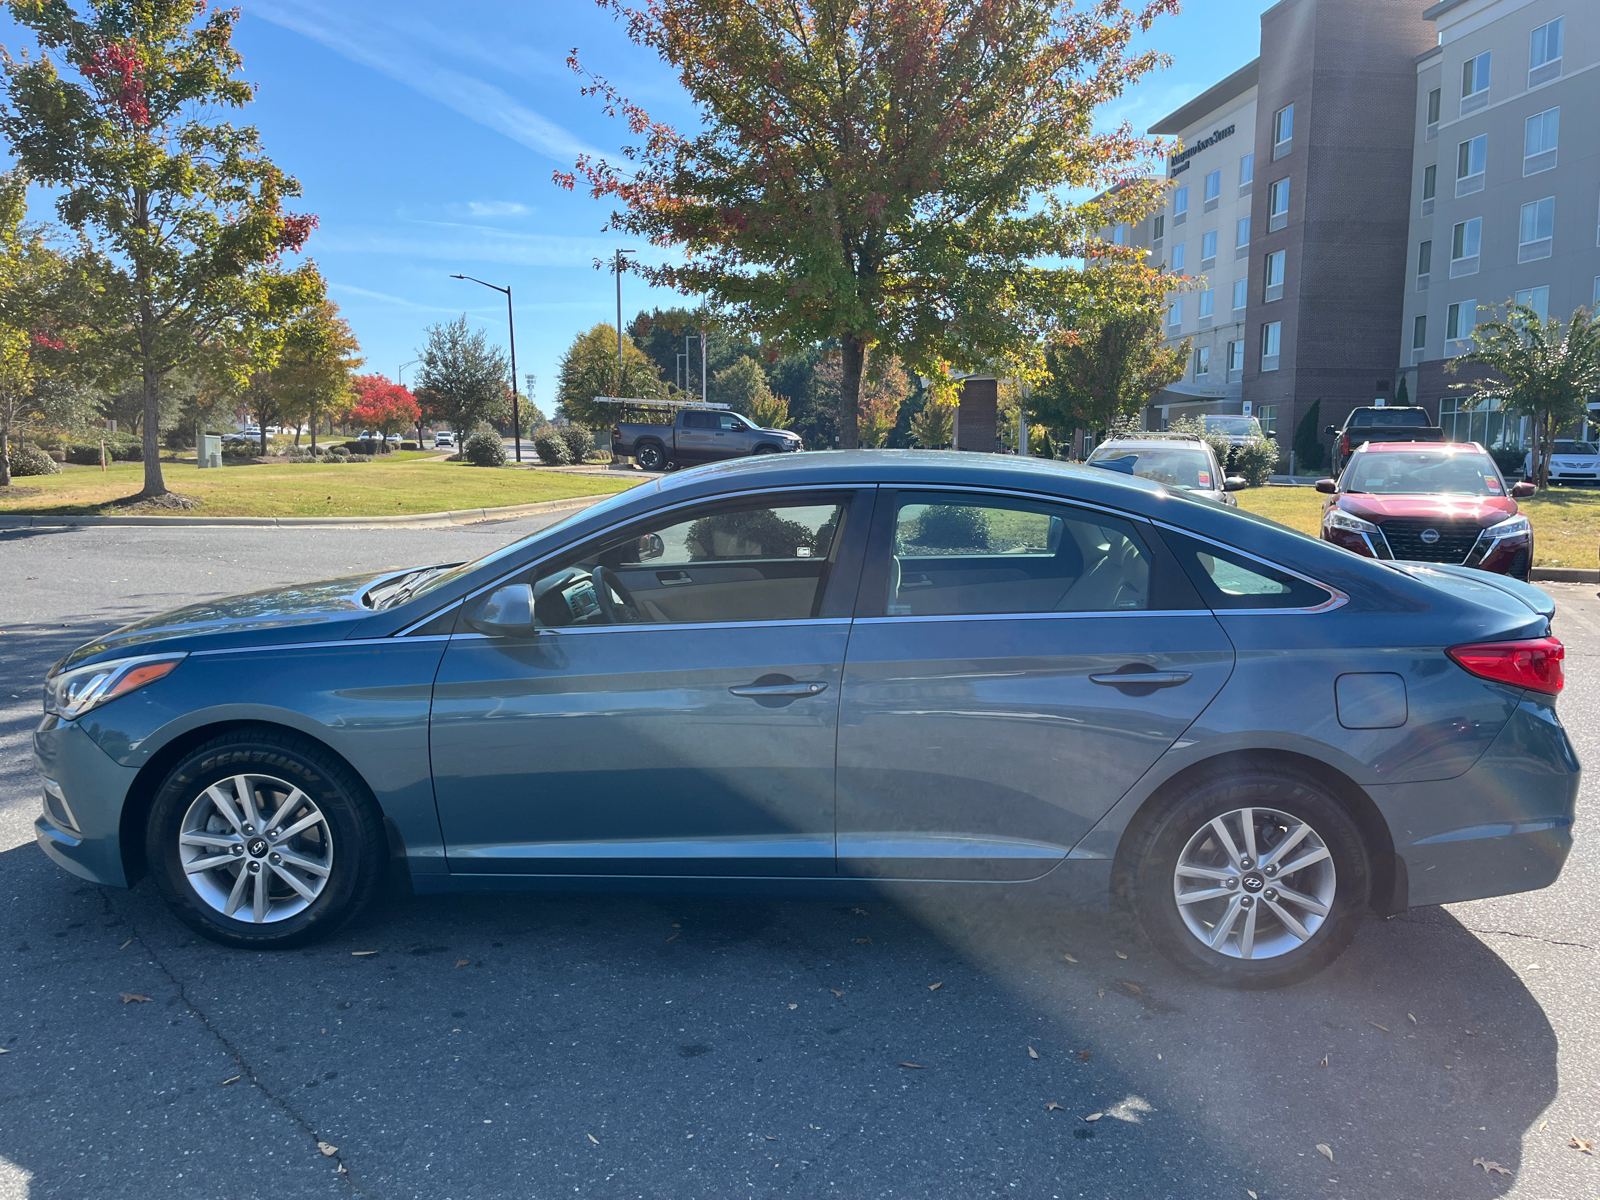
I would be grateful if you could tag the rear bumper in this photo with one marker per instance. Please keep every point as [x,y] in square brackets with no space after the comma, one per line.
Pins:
[1505,826]
[94,787]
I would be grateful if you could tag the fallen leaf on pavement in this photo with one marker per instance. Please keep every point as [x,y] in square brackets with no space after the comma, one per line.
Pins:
[1325,1151]
[362,953]
[1375,1025]
[1069,958]
[934,987]
[1581,1145]
[1099,991]
[1052,1106]
[1120,954]
[226,1082]
[3,1050]
[1544,1124]
[461,962]
[133,998]
[1324,1061]
[863,941]
[592,1138]
[861,912]
[836,991]
[770,1138]
[912,1066]
[1032,1053]
[1413,1019]
[1085,1055]
[1094,1116]
[1488,1164]
[125,944]
[671,938]
[1251,1194]
[327,1150]
[792,1007]
[1132,987]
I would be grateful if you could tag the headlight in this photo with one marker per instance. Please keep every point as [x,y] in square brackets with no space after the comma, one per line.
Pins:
[1510,527]
[1337,518]
[73,693]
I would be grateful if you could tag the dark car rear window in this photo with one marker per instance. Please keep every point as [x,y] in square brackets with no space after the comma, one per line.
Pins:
[1410,418]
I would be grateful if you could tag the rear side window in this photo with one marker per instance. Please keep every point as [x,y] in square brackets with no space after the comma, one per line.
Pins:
[1230,580]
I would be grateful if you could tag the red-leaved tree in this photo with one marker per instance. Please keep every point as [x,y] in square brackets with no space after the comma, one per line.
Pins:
[384,406]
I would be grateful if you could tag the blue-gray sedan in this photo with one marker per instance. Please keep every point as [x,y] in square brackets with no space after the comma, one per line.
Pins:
[828,672]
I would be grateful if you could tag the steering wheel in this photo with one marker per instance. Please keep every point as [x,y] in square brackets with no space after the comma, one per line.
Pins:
[605,582]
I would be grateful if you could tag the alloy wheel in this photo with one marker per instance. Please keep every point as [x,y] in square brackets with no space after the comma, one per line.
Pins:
[1254,883]
[255,848]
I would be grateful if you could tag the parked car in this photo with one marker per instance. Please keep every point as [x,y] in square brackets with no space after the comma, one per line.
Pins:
[1184,461]
[1570,462]
[1240,430]
[873,671]
[1363,425]
[697,435]
[444,440]
[1429,503]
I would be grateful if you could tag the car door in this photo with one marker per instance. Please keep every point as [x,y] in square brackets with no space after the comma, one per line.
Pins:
[1015,665]
[695,740]
[695,435]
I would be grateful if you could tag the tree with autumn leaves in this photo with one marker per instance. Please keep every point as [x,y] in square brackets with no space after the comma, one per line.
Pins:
[119,109]
[882,174]
[384,405]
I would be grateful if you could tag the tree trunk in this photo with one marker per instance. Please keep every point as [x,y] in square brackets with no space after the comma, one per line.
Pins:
[5,455]
[154,485]
[314,420]
[855,358]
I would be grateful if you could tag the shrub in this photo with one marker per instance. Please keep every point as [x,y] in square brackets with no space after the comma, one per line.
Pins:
[410,445]
[28,459]
[579,441]
[1510,462]
[551,448]
[952,528]
[338,450]
[1256,461]
[82,454]
[753,533]
[485,450]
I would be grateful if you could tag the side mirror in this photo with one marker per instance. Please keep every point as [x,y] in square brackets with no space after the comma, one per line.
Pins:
[505,612]
[1332,431]
[1234,483]
[1328,487]
[1273,434]
[1522,490]
[650,546]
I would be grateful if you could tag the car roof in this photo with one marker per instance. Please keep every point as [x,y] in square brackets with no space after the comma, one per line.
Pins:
[1153,443]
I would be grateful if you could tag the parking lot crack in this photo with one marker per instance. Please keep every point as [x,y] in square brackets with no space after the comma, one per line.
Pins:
[1532,937]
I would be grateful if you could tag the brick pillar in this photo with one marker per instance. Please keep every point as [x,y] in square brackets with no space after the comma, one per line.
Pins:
[978,414]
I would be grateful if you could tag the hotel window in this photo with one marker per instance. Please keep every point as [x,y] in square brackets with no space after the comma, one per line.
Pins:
[1544,52]
[1430,188]
[1535,235]
[1202,363]
[1419,337]
[1119,236]
[1271,343]
[1278,205]
[1180,205]
[1536,298]
[1472,157]
[1459,322]
[1282,132]
[1274,277]
[1208,304]
[1241,238]
[1235,361]
[1241,294]
[1213,189]
[1267,414]
[1542,133]
[1475,83]
[1433,114]
[1424,264]
[1158,229]
[1466,240]
[1175,313]
[1180,256]
[1247,171]
[1208,249]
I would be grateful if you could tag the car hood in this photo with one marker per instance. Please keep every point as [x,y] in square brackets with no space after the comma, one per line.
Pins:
[783,433]
[1485,510]
[326,610]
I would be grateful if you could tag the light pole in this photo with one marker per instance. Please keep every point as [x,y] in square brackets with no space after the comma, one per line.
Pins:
[511,322]
[617,267]
[400,378]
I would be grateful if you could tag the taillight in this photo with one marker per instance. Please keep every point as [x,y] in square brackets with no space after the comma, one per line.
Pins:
[1534,664]
[1344,448]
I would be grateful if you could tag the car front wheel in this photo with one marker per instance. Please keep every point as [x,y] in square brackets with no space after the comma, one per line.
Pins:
[264,840]
[1250,880]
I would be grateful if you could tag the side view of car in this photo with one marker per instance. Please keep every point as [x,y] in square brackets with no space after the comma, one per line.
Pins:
[1184,461]
[881,672]
[1444,503]
[697,435]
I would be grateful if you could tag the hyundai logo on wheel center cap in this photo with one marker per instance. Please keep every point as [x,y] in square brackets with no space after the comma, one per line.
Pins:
[1430,536]
[258,846]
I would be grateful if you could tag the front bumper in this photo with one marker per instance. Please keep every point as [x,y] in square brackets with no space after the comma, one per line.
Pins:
[1500,555]
[1505,826]
[95,787]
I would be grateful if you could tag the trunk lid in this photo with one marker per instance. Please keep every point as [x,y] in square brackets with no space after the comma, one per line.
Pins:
[1526,609]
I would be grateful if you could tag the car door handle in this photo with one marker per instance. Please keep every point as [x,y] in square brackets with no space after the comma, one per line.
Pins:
[758,690]
[672,578]
[1149,680]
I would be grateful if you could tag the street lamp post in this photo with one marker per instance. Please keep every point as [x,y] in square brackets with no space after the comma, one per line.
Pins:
[511,322]
[618,269]
[400,378]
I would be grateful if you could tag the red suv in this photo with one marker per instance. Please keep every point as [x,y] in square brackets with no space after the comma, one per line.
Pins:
[1429,502]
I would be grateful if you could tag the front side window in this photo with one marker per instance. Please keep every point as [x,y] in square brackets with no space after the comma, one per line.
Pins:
[746,562]
[1230,580]
[1213,185]
[1247,169]
[959,554]
[1208,246]
[1541,137]
[1537,228]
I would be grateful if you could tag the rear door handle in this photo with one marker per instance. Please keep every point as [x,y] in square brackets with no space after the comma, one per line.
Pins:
[1143,679]
[670,578]
[780,689]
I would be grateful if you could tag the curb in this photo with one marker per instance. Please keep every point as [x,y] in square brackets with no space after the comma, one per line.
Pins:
[460,516]
[1563,575]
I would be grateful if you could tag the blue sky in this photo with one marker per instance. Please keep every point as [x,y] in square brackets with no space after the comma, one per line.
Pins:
[424,136]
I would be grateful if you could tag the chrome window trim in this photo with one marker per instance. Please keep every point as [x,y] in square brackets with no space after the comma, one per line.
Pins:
[564,630]
[1039,616]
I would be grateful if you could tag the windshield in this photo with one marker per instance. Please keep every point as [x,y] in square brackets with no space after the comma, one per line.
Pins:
[1235,426]
[1185,467]
[1393,473]
[1574,448]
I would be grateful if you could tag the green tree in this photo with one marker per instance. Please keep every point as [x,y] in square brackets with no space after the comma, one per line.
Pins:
[743,385]
[934,426]
[1103,366]
[315,374]
[1308,447]
[462,379]
[182,208]
[1536,369]
[1402,394]
[589,369]
[882,174]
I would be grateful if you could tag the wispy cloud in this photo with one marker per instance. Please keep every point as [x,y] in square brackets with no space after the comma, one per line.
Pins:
[495,208]
[414,61]
[350,289]
[460,242]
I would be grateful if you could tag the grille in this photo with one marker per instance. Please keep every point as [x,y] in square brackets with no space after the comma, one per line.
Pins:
[1456,539]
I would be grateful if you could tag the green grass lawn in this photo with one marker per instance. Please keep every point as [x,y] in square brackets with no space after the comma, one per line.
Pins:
[1566,521]
[399,484]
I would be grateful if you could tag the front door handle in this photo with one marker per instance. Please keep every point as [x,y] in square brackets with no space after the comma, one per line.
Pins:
[1144,681]
[762,690]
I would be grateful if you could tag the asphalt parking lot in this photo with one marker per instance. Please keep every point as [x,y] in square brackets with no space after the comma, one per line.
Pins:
[622,1047]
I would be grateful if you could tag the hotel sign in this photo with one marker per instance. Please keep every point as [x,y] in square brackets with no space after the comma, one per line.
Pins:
[1179,162]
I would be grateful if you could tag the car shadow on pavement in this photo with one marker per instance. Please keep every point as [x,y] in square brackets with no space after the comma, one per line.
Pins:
[487,1046]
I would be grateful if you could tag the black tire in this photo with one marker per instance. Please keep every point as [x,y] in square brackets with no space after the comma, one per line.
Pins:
[651,457]
[358,844]
[766,450]
[1152,858]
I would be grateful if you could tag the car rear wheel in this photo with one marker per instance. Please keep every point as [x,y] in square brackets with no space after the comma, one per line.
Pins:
[1250,880]
[264,840]
[650,457]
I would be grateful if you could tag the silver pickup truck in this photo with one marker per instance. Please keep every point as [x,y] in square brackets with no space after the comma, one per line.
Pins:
[697,435]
